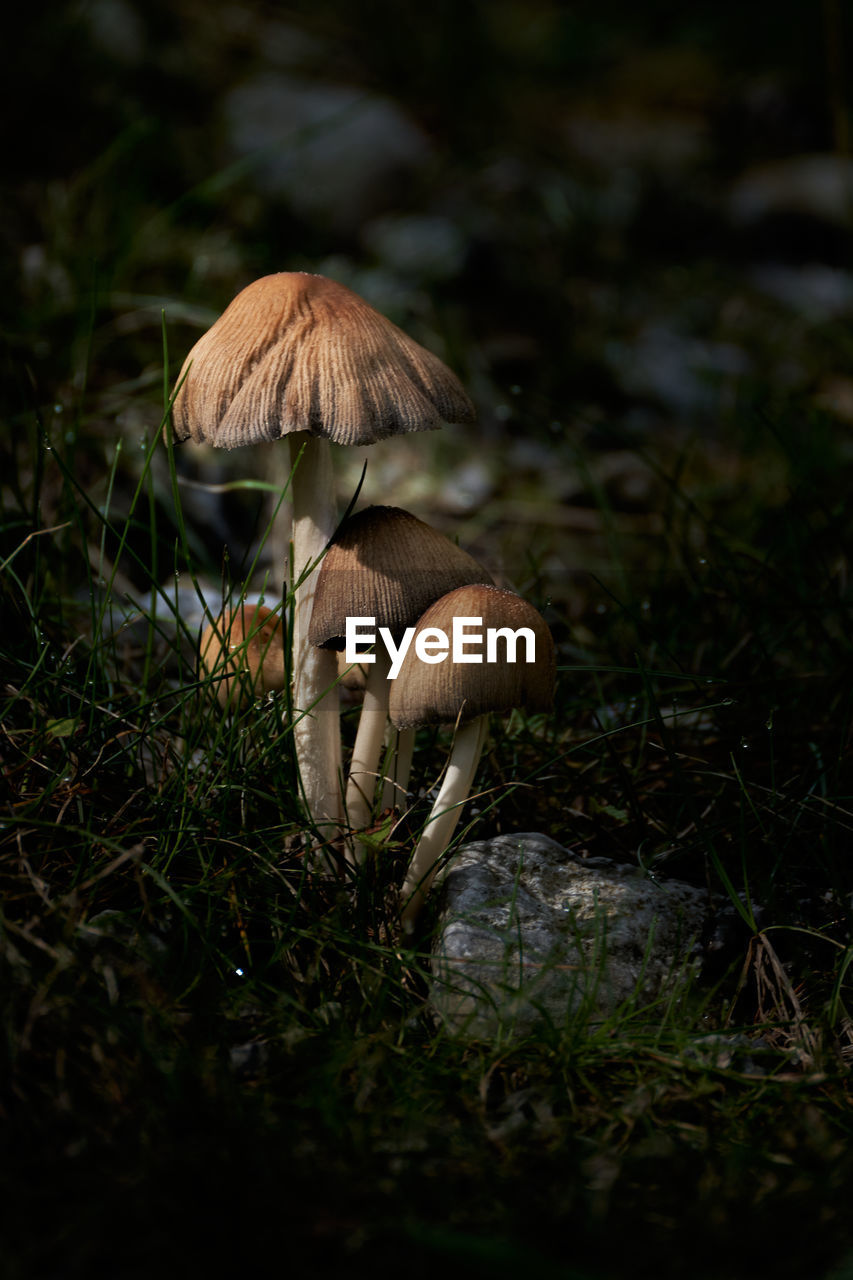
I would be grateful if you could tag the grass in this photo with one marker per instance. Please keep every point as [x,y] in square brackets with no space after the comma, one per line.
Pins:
[208,1056]
[205,1048]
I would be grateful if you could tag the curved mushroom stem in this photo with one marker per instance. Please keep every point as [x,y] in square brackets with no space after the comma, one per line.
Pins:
[438,832]
[364,765]
[396,785]
[317,734]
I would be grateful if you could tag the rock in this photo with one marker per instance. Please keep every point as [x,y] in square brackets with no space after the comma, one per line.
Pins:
[687,375]
[419,246]
[814,186]
[813,290]
[116,28]
[466,488]
[529,931]
[332,153]
[180,609]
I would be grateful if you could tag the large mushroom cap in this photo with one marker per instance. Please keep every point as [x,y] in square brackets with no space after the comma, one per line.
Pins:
[298,352]
[385,564]
[442,692]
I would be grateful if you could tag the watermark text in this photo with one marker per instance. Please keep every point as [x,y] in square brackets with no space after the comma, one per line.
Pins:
[466,643]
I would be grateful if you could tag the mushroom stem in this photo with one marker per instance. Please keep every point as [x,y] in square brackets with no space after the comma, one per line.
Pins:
[317,736]
[364,765]
[438,832]
[396,783]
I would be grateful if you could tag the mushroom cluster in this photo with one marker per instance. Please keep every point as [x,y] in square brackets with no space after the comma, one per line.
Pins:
[302,356]
[386,565]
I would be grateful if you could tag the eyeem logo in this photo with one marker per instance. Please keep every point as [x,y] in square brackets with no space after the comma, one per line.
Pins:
[433,645]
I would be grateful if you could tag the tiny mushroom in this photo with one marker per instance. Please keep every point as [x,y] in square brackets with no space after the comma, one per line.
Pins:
[243,653]
[300,355]
[463,689]
[382,569]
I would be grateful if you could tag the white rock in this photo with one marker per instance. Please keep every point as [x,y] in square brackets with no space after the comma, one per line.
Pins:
[530,931]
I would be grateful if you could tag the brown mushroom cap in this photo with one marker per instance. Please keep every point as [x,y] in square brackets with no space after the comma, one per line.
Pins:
[298,352]
[440,693]
[384,563]
[226,654]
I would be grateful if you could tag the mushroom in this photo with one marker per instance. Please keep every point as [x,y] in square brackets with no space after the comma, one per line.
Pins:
[387,566]
[299,355]
[462,689]
[243,651]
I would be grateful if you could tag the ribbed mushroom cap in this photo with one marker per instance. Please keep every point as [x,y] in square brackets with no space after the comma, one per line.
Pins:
[226,654]
[385,564]
[298,352]
[440,693]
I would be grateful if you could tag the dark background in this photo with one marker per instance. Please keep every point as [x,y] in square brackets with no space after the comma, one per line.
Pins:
[588,203]
[627,227]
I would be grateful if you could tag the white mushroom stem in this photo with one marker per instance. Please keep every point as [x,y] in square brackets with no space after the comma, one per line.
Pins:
[396,783]
[364,765]
[317,735]
[438,832]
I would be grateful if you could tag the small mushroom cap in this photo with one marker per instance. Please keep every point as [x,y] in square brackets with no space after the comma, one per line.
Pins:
[384,563]
[447,691]
[298,352]
[243,650]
